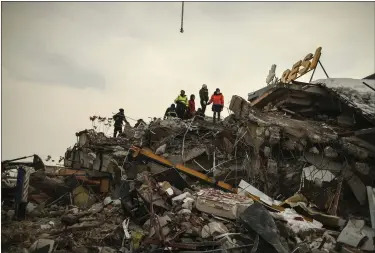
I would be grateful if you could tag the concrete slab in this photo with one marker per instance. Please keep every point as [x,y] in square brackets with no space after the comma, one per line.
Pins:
[351,235]
[226,205]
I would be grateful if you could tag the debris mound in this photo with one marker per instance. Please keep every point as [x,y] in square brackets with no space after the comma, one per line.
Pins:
[289,171]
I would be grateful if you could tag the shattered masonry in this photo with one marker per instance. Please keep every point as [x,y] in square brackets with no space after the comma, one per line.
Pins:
[291,170]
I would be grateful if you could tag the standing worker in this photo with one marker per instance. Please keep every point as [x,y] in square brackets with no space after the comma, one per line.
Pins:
[191,109]
[203,94]
[182,103]
[119,118]
[218,103]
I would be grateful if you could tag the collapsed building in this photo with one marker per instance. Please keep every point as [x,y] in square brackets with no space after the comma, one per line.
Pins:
[330,123]
[290,170]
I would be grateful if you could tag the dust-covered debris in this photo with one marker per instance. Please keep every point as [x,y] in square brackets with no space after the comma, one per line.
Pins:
[290,173]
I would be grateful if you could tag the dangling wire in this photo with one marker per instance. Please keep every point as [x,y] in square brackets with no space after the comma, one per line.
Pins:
[182,19]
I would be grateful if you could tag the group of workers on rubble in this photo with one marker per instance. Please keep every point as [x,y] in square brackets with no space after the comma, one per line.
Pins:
[184,108]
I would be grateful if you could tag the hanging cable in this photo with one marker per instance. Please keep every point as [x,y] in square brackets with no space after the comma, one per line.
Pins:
[182,19]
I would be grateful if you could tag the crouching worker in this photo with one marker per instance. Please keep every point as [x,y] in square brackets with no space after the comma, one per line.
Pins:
[170,112]
[218,103]
[119,118]
[182,103]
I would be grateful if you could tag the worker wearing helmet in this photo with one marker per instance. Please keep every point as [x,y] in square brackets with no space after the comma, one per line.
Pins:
[203,94]
[182,103]
[218,103]
[119,118]
[170,112]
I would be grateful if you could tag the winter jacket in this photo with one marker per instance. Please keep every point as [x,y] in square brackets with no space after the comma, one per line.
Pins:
[170,113]
[181,99]
[203,94]
[119,118]
[191,106]
[217,99]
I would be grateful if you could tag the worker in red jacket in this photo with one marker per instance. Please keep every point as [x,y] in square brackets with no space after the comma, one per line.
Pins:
[218,103]
[191,107]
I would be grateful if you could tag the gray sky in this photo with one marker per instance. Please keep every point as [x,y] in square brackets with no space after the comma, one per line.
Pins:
[65,61]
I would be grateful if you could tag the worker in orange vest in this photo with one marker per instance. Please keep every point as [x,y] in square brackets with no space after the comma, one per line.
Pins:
[218,103]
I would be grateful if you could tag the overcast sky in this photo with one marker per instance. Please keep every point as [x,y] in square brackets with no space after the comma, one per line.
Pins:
[65,61]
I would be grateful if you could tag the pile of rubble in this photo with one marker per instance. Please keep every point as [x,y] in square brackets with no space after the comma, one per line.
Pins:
[286,172]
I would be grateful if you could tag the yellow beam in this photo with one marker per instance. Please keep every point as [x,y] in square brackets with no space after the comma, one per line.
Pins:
[201,176]
[157,158]
[204,177]
[182,168]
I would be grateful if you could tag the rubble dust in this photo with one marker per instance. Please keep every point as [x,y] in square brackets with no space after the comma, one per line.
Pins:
[274,176]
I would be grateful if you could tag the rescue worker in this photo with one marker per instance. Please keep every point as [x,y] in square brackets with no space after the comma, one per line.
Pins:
[119,118]
[170,112]
[203,94]
[218,103]
[140,121]
[153,121]
[191,109]
[182,103]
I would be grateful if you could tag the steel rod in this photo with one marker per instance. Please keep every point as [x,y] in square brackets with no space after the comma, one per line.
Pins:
[312,75]
[321,65]
[369,86]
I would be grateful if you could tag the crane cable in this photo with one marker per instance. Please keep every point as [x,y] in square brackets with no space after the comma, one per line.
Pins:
[182,19]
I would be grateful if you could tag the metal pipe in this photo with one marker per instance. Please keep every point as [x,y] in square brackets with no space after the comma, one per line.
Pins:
[312,75]
[16,159]
[321,65]
[369,86]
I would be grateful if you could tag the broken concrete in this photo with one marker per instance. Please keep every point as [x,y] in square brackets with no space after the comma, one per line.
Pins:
[353,234]
[193,153]
[227,205]
[213,229]
[42,245]
[297,138]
